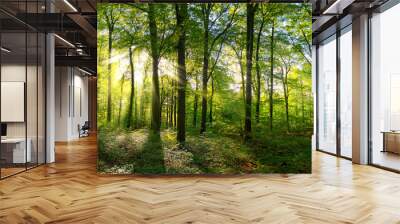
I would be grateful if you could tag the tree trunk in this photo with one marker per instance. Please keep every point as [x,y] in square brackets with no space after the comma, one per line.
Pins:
[302,101]
[286,96]
[175,106]
[287,110]
[239,57]
[120,99]
[142,101]
[167,112]
[135,119]
[211,100]
[243,87]
[132,95]
[258,73]
[181,14]
[196,101]
[271,89]
[155,104]
[162,98]
[251,8]
[171,106]
[109,102]
[205,71]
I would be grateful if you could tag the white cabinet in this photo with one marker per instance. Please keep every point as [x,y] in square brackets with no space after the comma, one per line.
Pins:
[19,154]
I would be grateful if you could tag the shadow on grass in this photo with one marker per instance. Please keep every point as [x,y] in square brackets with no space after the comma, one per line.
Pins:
[151,158]
[281,153]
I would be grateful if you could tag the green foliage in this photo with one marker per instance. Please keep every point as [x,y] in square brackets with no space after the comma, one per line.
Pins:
[221,148]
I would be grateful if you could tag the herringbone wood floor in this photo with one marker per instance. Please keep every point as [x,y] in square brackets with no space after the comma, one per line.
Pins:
[70,191]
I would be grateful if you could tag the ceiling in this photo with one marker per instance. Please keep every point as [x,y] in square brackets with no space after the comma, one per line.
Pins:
[328,15]
[73,21]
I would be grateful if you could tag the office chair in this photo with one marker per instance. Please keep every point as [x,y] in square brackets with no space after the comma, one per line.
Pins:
[84,130]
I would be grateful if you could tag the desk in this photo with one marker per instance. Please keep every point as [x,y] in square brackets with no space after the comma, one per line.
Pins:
[13,150]
[391,141]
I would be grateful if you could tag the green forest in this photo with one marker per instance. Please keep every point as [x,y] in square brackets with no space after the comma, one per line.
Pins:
[211,88]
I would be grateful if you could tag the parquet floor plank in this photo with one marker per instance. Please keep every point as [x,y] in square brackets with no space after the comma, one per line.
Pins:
[70,191]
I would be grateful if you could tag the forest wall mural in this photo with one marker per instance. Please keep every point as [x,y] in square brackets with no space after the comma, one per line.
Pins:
[204,88]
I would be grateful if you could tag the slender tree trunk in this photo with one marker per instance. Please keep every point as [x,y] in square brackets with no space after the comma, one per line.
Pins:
[109,102]
[167,112]
[287,110]
[143,100]
[243,89]
[155,104]
[258,73]
[205,71]
[119,108]
[286,96]
[120,99]
[211,100]
[239,57]
[271,89]
[175,106]
[251,8]
[196,101]
[302,101]
[171,106]
[135,119]
[132,95]
[210,75]
[162,98]
[181,14]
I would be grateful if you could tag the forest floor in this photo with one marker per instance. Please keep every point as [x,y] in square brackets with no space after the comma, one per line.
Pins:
[140,152]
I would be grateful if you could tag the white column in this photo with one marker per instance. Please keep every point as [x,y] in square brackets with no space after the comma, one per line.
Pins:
[50,91]
[50,100]
[360,90]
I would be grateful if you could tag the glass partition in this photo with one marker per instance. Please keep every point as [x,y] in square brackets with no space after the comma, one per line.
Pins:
[346,92]
[327,95]
[22,90]
[13,94]
[385,89]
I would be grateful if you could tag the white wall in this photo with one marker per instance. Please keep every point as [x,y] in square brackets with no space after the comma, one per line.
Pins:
[71,102]
[80,109]
[62,82]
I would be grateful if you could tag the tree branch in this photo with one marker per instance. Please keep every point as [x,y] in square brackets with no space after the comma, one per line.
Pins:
[219,16]
[299,50]
[135,5]
[215,62]
[224,30]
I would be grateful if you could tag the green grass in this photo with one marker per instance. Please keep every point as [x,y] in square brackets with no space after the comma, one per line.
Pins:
[150,160]
[214,152]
